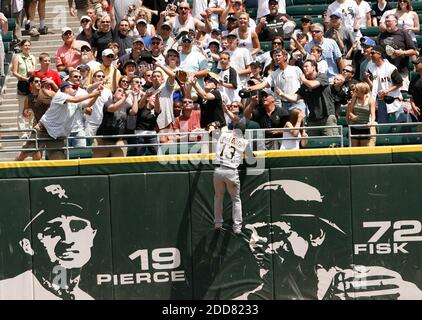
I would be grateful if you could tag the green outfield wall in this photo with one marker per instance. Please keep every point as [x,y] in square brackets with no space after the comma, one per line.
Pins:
[318,224]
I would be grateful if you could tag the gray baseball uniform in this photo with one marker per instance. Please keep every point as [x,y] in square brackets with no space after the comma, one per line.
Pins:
[229,155]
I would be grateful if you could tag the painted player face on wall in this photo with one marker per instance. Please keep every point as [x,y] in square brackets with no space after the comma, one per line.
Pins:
[67,240]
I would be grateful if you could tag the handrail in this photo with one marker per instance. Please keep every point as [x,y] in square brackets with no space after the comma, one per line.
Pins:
[256,136]
[377,125]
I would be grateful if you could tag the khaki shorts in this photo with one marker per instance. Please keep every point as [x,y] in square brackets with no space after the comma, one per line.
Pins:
[118,151]
[41,133]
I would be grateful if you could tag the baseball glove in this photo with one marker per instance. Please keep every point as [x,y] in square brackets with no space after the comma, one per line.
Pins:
[181,77]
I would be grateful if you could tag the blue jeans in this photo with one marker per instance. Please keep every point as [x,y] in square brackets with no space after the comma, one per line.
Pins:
[143,150]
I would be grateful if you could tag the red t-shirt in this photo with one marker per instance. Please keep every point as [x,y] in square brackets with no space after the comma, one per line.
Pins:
[54,75]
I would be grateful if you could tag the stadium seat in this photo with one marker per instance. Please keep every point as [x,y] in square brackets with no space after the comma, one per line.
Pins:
[346,136]
[7,36]
[301,2]
[252,12]
[322,143]
[308,9]
[343,111]
[80,153]
[266,45]
[342,121]
[11,23]
[419,40]
[370,31]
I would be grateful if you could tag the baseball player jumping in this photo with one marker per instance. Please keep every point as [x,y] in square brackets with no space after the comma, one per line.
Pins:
[229,155]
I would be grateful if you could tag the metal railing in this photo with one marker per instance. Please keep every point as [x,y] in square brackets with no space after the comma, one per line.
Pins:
[392,127]
[259,139]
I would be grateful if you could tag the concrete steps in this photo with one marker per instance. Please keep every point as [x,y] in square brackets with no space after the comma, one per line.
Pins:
[57,17]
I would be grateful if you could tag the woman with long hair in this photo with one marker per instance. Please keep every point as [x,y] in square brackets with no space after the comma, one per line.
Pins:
[296,120]
[361,110]
[247,36]
[407,19]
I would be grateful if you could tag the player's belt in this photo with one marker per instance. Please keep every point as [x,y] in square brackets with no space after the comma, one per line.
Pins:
[223,166]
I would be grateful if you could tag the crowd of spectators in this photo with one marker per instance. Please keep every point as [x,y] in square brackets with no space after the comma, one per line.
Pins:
[149,67]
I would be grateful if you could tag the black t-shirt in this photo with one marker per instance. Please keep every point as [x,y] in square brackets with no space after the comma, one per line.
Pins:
[277,119]
[82,36]
[229,76]
[113,122]
[125,42]
[100,41]
[377,13]
[212,110]
[146,119]
[398,40]
[415,89]
[273,28]
[320,100]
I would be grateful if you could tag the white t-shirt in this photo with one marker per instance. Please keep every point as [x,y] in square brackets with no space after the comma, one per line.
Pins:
[78,120]
[239,60]
[349,11]
[364,8]
[166,115]
[96,117]
[229,150]
[288,80]
[58,119]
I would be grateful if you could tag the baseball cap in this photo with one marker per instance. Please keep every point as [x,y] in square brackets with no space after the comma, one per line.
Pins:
[212,77]
[216,30]
[85,17]
[232,17]
[186,37]
[168,24]
[367,42]
[269,1]
[268,91]
[306,18]
[83,67]
[173,51]
[215,42]
[138,39]
[65,84]
[232,34]
[85,46]
[157,37]
[336,14]
[106,52]
[132,62]
[141,21]
[66,29]
[380,49]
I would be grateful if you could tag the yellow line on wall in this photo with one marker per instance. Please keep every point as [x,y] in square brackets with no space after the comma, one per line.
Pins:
[198,157]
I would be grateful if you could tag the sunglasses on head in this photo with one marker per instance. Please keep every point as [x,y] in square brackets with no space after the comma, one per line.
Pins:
[37,81]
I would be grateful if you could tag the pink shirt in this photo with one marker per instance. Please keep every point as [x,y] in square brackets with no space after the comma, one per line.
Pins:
[188,124]
[68,56]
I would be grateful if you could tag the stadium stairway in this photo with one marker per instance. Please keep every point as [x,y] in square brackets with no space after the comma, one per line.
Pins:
[56,18]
